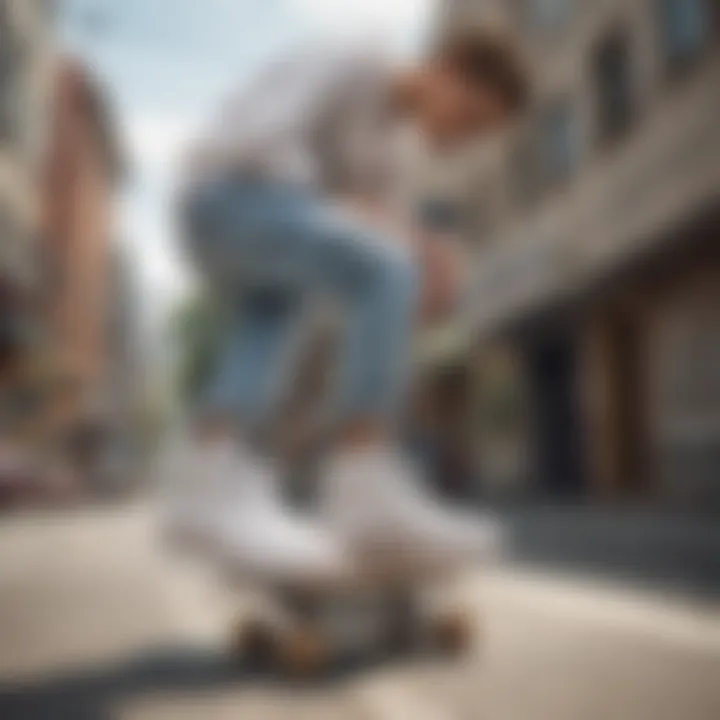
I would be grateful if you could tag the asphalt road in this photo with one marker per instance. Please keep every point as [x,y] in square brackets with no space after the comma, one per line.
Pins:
[97,622]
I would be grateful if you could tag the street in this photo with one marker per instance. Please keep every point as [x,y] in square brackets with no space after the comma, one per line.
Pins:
[97,622]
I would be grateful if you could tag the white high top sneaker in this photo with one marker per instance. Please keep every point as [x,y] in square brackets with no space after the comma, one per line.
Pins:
[261,539]
[193,491]
[223,500]
[373,501]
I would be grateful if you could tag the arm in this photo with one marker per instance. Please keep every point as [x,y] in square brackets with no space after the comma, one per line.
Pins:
[440,255]
[443,257]
[444,266]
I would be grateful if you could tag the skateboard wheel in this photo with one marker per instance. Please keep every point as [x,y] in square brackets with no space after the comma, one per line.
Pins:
[402,638]
[255,641]
[303,652]
[403,627]
[452,634]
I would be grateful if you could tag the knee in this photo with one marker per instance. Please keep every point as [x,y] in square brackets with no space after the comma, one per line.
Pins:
[364,265]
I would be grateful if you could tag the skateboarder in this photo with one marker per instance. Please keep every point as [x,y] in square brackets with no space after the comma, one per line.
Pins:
[298,192]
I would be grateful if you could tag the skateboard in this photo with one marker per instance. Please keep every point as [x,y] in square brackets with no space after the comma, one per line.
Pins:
[303,633]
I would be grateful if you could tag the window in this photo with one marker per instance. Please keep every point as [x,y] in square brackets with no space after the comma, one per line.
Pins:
[547,16]
[8,233]
[559,141]
[612,71]
[524,171]
[442,214]
[10,62]
[685,27]
[50,9]
[548,154]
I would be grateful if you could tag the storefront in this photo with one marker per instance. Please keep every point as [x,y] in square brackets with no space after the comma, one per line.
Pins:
[629,378]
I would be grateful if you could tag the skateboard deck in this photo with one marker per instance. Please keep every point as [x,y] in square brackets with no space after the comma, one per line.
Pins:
[302,634]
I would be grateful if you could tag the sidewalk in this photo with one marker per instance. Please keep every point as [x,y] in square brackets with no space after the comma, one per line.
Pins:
[606,603]
[98,622]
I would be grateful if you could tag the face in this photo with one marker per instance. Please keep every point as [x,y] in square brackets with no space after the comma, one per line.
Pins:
[455,110]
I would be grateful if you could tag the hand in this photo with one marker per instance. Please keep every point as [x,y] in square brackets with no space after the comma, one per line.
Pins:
[444,267]
[373,213]
[368,210]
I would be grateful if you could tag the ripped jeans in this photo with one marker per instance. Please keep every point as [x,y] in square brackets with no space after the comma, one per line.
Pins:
[267,248]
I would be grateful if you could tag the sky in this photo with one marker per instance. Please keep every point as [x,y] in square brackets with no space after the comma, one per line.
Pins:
[167,63]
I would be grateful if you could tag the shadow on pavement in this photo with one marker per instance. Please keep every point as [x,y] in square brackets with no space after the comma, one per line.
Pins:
[668,552]
[92,693]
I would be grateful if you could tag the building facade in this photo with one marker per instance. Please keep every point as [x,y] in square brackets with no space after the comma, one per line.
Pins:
[594,313]
[124,343]
[25,58]
[81,176]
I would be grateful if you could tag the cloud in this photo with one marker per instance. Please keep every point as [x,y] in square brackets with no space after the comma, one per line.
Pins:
[156,140]
[400,24]
[375,13]
[150,241]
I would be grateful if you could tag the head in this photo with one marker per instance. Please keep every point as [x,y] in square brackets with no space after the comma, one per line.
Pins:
[471,86]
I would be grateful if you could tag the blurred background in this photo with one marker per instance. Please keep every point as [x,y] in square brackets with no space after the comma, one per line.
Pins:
[577,392]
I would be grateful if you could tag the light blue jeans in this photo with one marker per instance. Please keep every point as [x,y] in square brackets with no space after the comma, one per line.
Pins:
[267,248]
